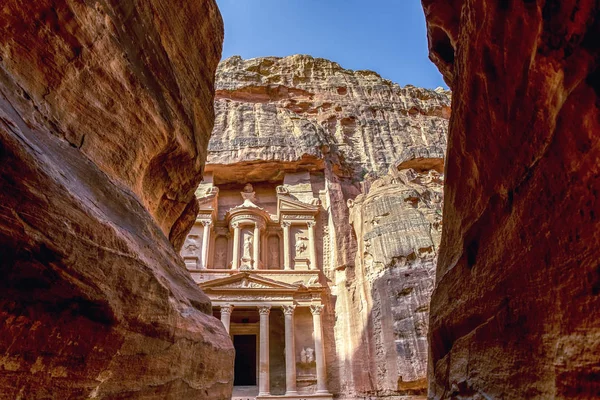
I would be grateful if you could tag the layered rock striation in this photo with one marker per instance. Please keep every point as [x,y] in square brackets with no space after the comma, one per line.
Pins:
[365,140]
[105,116]
[515,310]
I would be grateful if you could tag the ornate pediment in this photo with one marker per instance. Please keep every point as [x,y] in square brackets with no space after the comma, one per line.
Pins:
[247,281]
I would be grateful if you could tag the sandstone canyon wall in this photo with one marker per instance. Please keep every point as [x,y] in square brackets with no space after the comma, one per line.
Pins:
[105,115]
[515,309]
[365,140]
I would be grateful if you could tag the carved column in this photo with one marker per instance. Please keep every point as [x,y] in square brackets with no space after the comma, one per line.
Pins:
[264,384]
[235,263]
[319,349]
[205,242]
[312,245]
[290,351]
[226,316]
[256,245]
[287,260]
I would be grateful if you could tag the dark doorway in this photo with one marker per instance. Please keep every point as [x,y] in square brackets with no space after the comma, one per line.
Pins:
[245,360]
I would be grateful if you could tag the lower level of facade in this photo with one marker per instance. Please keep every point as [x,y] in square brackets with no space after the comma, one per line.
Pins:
[275,324]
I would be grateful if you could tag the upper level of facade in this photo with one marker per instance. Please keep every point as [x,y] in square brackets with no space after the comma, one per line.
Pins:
[266,227]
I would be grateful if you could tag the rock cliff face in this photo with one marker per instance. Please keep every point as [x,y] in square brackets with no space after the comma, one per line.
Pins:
[398,225]
[359,131]
[105,115]
[515,310]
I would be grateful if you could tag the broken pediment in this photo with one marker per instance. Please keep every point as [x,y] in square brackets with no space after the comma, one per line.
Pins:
[290,207]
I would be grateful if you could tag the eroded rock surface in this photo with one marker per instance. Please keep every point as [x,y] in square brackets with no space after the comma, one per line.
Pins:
[398,224]
[105,114]
[345,132]
[515,311]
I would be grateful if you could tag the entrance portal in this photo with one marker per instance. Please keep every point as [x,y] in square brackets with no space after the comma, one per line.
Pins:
[245,360]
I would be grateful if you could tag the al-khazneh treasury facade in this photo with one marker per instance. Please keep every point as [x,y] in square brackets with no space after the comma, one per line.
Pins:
[257,252]
[344,212]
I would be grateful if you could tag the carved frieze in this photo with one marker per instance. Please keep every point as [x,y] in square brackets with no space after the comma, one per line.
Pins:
[287,217]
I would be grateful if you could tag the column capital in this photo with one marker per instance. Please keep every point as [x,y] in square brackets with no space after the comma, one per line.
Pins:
[316,309]
[289,310]
[264,310]
[286,224]
[310,224]
[206,222]
[235,225]
[227,309]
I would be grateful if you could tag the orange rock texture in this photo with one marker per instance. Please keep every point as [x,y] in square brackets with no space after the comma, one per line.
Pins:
[105,115]
[515,309]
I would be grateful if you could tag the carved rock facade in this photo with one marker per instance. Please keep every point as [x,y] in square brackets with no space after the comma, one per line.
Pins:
[104,120]
[296,140]
[516,305]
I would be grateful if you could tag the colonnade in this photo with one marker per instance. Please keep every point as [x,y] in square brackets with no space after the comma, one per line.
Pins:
[237,233]
[290,347]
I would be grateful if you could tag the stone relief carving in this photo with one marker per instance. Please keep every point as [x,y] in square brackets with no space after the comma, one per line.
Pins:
[245,283]
[191,244]
[220,257]
[282,190]
[301,246]
[307,355]
[226,309]
[310,355]
[247,217]
[247,247]
[248,193]
[264,310]
[247,256]
[289,310]
[273,246]
[268,298]
[298,216]
[316,309]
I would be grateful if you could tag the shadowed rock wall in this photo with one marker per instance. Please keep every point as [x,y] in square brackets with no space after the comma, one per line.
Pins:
[105,115]
[515,310]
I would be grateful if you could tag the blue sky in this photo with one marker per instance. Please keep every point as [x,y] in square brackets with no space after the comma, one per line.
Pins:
[386,36]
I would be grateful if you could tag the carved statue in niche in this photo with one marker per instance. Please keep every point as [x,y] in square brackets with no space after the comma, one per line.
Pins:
[248,247]
[192,244]
[220,252]
[248,188]
[247,253]
[273,252]
[301,245]
[307,355]
[310,355]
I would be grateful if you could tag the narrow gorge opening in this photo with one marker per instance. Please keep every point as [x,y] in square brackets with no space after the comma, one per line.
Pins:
[342,217]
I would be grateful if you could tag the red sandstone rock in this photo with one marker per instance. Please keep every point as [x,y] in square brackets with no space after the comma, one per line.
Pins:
[515,311]
[105,114]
